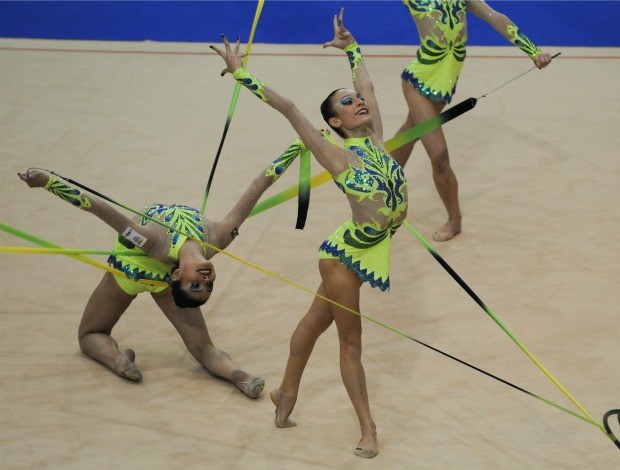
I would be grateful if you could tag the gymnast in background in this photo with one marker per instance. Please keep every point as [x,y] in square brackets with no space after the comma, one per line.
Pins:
[359,250]
[179,253]
[429,83]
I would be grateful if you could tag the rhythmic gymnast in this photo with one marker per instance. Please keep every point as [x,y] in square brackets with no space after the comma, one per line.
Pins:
[429,82]
[359,250]
[181,257]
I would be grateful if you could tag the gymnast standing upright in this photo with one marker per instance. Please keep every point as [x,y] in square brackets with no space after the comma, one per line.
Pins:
[429,83]
[359,250]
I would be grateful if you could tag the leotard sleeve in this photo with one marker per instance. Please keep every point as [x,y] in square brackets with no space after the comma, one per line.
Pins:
[106,212]
[71,195]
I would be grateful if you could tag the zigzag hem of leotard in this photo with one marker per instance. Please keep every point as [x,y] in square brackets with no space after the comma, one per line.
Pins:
[135,273]
[347,261]
[435,96]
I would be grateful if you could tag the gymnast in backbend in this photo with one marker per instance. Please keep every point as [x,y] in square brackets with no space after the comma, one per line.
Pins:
[179,253]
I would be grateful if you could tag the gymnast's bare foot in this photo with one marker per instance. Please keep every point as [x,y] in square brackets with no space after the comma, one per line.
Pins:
[450,230]
[283,409]
[368,446]
[126,368]
[248,384]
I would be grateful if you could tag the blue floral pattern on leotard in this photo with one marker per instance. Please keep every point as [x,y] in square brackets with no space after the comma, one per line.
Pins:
[380,172]
[376,183]
[179,218]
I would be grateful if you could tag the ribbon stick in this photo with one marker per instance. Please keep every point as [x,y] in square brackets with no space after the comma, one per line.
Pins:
[513,79]
[233,104]
[479,301]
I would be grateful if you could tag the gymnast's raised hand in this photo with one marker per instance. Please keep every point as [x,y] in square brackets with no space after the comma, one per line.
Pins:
[342,36]
[232,57]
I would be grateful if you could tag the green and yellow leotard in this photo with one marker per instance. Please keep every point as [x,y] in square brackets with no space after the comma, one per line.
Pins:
[442,26]
[377,191]
[183,218]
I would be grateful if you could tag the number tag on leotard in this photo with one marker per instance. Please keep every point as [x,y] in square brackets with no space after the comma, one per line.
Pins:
[134,237]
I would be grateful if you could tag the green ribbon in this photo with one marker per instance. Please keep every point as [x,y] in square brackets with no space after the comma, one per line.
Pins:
[79,257]
[394,143]
[304,188]
[233,103]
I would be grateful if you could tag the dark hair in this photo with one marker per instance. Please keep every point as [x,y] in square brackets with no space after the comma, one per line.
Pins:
[182,298]
[328,111]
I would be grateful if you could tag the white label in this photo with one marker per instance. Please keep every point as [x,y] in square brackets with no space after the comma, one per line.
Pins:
[134,237]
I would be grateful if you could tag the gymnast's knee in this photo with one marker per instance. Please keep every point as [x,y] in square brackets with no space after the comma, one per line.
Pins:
[440,161]
[351,347]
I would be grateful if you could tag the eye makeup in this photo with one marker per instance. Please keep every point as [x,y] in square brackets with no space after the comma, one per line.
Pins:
[348,100]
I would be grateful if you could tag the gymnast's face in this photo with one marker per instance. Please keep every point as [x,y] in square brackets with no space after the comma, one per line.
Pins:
[196,279]
[351,110]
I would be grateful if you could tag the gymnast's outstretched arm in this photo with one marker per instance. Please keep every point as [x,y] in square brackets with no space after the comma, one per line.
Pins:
[343,39]
[227,228]
[504,26]
[90,203]
[328,155]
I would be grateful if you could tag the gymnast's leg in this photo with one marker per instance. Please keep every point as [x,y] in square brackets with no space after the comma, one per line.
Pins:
[103,310]
[312,325]
[402,153]
[192,328]
[343,287]
[420,110]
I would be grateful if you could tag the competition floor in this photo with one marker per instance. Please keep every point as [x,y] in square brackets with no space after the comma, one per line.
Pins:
[538,168]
